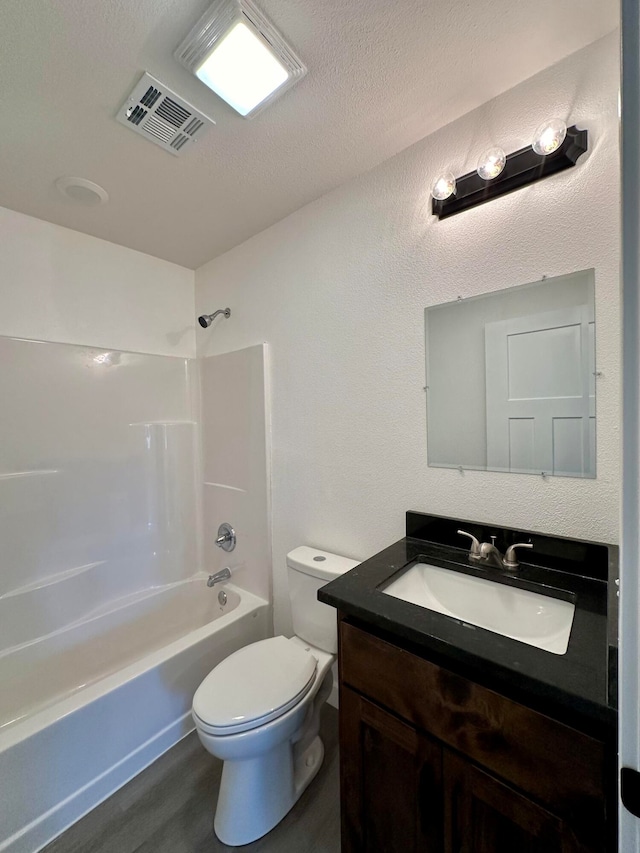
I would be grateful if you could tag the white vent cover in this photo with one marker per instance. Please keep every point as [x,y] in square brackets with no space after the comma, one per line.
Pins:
[158,114]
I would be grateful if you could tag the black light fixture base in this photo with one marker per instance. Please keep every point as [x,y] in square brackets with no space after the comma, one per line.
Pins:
[523,167]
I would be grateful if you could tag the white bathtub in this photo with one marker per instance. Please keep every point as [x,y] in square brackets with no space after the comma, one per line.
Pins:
[86,708]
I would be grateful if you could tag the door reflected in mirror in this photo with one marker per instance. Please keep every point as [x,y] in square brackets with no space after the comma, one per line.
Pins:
[511,379]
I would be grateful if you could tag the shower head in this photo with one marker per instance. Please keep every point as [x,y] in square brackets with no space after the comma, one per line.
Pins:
[206,320]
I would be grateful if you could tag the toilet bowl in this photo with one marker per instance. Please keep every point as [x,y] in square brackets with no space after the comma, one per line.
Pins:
[259,709]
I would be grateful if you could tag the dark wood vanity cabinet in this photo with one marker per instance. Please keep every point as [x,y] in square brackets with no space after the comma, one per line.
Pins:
[484,815]
[391,781]
[434,763]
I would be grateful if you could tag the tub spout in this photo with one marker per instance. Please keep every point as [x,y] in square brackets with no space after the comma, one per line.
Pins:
[222,575]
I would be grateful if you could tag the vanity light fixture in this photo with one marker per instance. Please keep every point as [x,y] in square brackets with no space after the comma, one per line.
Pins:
[491,164]
[238,54]
[549,136]
[444,186]
[562,147]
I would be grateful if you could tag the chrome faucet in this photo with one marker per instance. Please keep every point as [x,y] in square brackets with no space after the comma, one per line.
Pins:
[474,551]
[222,575]
[488,553]
[226,537]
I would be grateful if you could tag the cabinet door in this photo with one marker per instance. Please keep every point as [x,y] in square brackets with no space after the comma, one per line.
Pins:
[483,815]
[391,782]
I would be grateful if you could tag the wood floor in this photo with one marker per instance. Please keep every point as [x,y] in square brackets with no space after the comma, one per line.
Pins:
[169,807]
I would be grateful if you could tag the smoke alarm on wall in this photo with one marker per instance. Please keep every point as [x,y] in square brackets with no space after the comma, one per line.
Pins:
[158,114]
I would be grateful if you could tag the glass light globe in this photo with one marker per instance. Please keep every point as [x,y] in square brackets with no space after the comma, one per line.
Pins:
[491,163]
[549,136]
[444,187]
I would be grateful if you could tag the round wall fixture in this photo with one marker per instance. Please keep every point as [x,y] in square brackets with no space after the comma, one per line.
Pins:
[82,191]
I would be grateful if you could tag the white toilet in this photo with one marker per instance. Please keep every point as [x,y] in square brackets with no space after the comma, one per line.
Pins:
[259,710]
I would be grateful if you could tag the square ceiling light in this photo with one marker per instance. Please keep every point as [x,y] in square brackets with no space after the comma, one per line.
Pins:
[238,54]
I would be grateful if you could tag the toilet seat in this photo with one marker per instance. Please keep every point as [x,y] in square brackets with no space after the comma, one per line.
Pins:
[254,685]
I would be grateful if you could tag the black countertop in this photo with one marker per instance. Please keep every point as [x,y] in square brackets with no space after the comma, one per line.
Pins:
[577,688]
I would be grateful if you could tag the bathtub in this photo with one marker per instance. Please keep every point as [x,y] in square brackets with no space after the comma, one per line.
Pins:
[85,709]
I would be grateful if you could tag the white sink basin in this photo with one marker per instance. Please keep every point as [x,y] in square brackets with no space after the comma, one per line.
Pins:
[529,617]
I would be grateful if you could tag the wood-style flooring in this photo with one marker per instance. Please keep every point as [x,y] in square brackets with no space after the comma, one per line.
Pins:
[169,807]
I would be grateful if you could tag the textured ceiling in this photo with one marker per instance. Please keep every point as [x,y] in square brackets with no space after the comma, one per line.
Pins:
[381,76]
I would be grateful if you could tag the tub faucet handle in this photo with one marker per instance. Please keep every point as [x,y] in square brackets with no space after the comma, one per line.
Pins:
[226,537]
[474,552]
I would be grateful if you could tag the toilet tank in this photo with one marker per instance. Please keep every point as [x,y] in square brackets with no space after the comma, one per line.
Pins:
[309,569]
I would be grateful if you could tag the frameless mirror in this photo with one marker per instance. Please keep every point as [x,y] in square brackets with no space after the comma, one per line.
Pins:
[511,379]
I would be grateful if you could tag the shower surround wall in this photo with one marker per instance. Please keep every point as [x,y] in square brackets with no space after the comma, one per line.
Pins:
[97,485]
[235,464]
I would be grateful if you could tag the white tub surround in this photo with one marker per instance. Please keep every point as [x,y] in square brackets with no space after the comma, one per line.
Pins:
[97,481]
[235,462]
[106,625]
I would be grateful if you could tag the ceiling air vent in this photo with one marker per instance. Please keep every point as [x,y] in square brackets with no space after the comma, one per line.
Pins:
[157,113]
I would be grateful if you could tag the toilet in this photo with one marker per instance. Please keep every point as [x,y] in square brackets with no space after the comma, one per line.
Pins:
[259,710]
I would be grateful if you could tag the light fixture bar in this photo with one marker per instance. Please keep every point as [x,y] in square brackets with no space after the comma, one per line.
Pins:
[523,167]
[238,53]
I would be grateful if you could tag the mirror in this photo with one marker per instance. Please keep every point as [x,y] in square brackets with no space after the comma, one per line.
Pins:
[511,379]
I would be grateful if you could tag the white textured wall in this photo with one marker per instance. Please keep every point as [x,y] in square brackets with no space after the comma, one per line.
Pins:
[339,288]
[64,286]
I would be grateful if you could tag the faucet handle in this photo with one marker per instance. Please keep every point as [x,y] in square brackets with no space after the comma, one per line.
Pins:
[474,551]
[510,561]
[226,537]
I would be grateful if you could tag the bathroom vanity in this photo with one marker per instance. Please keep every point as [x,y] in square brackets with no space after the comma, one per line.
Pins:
[458,739]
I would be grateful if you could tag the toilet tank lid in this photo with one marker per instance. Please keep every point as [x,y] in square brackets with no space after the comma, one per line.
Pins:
[319,564]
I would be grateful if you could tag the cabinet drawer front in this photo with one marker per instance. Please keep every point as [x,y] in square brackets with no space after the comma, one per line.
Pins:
[555,764]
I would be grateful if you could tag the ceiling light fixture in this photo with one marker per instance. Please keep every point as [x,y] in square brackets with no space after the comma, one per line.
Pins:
[525,166]
[238,54]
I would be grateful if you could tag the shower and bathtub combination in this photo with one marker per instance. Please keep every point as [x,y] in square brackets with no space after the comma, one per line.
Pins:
[107,624]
